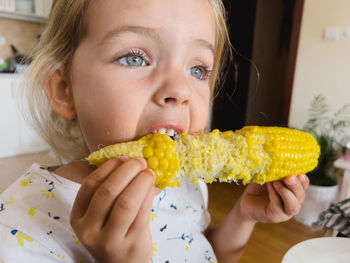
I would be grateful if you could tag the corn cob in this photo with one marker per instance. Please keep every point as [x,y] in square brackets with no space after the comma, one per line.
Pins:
[252,154]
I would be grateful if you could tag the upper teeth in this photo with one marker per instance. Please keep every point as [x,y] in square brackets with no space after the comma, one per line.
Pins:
[169,132]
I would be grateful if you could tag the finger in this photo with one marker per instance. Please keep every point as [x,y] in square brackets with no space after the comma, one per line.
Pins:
[129,202]
[295,186]
[304,180]
[276,203]
[106,194]
[291,205]
[143,217]
[90,184]
[157,191]
[256,189]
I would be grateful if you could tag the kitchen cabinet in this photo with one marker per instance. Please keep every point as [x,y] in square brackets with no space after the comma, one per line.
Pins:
[27,10]
[16,136]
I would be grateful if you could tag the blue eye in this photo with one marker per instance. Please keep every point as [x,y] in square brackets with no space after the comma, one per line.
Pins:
[197,72]
[132,61]
[200,72]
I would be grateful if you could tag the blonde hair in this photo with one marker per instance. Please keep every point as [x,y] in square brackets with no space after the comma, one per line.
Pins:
[60,38]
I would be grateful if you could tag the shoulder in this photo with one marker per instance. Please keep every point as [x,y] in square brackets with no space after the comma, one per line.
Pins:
[38,176]
[38,192]
[34,218]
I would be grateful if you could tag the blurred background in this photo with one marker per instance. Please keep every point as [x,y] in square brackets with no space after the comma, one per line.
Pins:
[287,52]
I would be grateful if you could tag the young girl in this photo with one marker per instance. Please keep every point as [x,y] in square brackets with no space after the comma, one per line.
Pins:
[111,71]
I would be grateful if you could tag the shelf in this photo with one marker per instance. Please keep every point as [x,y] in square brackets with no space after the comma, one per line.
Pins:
[23,16]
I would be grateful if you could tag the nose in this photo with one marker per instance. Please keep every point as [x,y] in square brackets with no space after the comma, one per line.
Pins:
[173,89]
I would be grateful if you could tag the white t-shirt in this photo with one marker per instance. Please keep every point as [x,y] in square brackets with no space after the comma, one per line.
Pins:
[34,222]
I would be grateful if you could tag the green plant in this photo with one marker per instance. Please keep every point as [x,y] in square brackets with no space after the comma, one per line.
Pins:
[330,133]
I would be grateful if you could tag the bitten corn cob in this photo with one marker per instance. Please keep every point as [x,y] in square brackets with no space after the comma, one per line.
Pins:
[252,154]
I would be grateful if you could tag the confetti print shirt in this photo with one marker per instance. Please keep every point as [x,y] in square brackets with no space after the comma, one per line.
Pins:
[34,222]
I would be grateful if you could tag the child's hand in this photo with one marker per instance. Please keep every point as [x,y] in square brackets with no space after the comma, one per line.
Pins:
[111,213]
[275,201]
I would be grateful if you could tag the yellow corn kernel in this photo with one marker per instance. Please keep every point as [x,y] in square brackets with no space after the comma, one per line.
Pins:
[153,162]
[252,154]
[148,152]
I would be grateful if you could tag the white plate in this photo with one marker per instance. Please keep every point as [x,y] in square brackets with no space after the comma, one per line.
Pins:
[320,250]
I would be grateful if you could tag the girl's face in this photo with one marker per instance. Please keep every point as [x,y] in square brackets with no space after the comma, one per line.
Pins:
[143,66]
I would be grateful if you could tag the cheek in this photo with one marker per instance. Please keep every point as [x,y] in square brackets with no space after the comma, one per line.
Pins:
[107,116]
[200,112]
[114,127]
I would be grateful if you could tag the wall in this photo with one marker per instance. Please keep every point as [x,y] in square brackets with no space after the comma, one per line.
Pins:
[19,33]
[265,98]
[323,67]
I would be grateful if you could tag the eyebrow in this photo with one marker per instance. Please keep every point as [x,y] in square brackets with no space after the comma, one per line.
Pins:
[149,32]
[206,44]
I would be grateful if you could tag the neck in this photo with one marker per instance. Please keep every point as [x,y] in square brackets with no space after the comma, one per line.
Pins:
[75,171]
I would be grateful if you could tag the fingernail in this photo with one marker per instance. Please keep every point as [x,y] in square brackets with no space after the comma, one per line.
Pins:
[123,158]
[291,180]
[302,178]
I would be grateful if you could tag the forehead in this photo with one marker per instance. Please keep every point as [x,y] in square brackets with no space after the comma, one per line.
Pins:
[185,18]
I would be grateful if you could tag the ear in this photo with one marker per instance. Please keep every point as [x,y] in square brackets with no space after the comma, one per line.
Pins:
[59,94]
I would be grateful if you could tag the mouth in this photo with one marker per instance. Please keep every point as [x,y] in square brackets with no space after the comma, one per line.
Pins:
[168,131]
